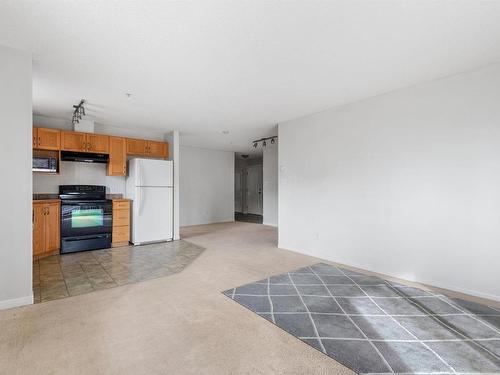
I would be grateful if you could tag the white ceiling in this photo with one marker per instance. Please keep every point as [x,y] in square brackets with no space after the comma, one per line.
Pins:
[243,66]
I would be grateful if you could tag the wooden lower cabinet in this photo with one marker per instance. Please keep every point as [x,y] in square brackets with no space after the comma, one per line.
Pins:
[46,228]
[121,222]
[38,229]
[53,222]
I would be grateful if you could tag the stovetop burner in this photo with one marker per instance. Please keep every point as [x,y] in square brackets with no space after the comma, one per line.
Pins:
[82,192]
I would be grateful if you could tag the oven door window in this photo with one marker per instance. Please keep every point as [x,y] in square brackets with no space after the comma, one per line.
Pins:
[87,218]
[84,219]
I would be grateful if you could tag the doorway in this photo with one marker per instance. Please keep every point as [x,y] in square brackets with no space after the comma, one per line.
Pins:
[248,188]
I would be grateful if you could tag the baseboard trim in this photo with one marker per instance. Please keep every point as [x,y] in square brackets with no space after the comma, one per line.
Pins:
[16,302]
[425,283]
[270,225]
[208,223]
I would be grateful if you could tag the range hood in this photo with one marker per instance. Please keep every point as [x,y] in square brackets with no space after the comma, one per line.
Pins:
[84,157]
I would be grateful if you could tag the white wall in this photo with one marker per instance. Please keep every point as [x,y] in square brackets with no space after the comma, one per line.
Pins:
[79,174]
[206,186]
[270,184]
[15,197]
[406,184]
[173,139]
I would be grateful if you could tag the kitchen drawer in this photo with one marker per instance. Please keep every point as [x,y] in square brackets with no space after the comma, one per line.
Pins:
[121,205]
[121,218]
[121,234]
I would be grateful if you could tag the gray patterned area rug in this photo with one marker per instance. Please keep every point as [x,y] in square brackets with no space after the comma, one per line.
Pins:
[374,326]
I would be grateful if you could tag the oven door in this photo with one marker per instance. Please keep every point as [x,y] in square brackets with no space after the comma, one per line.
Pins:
[84,218]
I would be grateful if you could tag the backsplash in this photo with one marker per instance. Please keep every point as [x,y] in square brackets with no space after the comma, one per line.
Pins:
[73,173]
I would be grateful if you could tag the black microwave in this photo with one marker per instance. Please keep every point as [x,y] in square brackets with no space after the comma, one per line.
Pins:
[44,164]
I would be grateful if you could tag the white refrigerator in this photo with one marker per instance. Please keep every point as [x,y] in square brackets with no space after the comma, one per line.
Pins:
[150,187]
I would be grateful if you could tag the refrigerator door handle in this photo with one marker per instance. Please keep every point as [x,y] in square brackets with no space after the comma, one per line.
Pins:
[138,199]
[140,172]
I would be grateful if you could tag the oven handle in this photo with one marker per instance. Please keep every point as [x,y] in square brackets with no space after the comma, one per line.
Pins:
[104,203]
[86,238]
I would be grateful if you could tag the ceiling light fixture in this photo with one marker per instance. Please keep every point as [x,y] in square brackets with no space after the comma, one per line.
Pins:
[273,140]
[79,112]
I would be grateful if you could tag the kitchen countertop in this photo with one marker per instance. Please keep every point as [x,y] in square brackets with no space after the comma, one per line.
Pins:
[43,197]
[49,196]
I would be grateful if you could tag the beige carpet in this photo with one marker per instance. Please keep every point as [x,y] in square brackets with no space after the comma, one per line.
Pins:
[179,324]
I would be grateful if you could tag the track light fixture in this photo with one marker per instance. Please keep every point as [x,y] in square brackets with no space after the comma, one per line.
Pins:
[79,112]
[273,140]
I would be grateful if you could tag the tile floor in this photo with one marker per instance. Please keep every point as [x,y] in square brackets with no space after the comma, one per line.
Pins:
[248,218]
[374,326]
[61,276]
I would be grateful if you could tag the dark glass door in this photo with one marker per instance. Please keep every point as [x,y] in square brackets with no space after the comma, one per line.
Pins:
[85,218]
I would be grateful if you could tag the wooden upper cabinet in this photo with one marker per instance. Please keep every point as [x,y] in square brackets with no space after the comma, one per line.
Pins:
[84,142]
[136,146]
[46,139]
[117,147]
[147,148]
[73,141]
[117,165]
[97,143]
[157,149]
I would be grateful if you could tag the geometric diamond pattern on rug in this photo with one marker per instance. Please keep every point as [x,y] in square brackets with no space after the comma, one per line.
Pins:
[374,326]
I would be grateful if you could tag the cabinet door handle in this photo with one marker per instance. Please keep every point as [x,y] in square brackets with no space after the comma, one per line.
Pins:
[34,141]
[39,140]
[84,145]
[124,170]
[89,146]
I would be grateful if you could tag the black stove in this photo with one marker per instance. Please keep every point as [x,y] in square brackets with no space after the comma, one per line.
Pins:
[86,218]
